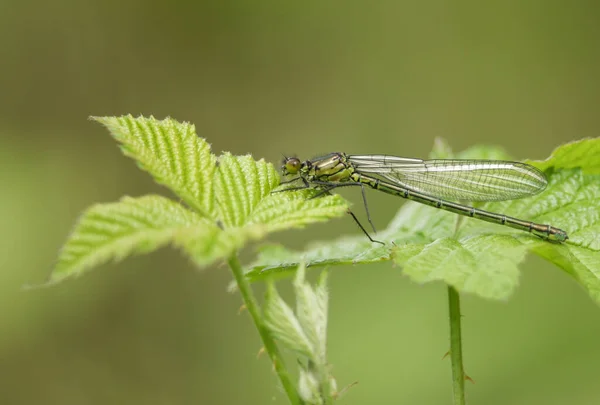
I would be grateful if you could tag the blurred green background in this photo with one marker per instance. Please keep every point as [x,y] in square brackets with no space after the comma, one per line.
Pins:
[269,77]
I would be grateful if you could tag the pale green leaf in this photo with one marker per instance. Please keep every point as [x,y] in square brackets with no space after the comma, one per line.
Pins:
[140,225]
[133,225]
[244,191]
[584,154]
[475,256]
[274,260]
[309,387]
[240,184]
[282,323]
[233,201]
[295,209]
[469,265]
[172,153]
[583,264]
[311,311]
[205,245]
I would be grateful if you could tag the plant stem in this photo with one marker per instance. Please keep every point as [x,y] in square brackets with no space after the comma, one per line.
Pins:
[458,372]
[267,340]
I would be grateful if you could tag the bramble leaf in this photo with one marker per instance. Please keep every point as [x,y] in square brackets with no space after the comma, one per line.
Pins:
[172,153]
[584,154]
[130,226]
[230,197]
[244,197]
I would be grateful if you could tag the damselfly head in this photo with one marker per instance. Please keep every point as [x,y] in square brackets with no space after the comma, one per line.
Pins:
[291,165]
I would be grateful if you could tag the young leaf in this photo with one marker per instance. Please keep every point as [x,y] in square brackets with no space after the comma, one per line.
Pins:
[285,327]
[311,311]
[241,183]
[172,153]
[309,387]
[243,189]
[116,230]
[472,255]
[305,333]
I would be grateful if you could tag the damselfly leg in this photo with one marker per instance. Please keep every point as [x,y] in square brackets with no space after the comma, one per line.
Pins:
[326,190]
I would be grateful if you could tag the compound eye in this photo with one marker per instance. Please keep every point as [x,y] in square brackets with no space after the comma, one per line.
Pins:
[291,165]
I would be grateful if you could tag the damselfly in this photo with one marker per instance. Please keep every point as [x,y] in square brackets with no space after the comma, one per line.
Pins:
[432,182]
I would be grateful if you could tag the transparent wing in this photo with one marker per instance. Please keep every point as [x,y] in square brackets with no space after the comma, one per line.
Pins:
[455,179]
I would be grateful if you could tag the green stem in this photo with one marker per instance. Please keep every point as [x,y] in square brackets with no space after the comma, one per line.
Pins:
[268,342]
[458,372]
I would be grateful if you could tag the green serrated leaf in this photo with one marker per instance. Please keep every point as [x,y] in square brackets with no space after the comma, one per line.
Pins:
[241,183]
[274,260]
[468,265]
[584,154]
[475,256]
[115,230]
[233,203]
[296,209]
[172,153]
[583,264]
[141,225]
[244,188]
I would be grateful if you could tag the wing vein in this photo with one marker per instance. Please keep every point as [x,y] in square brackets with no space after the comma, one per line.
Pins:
[456,179]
